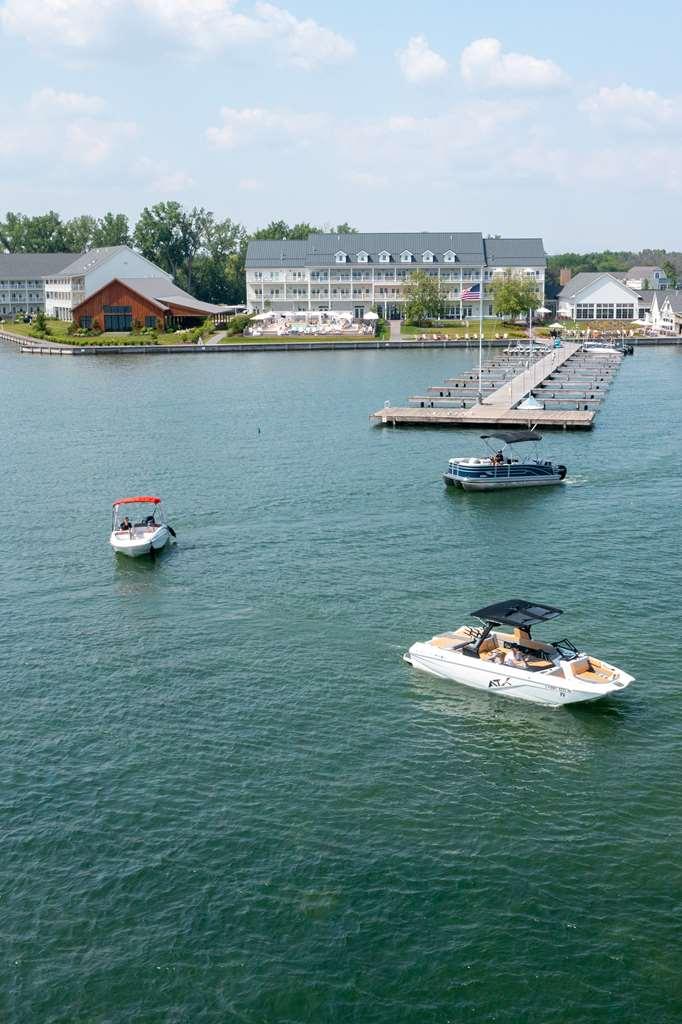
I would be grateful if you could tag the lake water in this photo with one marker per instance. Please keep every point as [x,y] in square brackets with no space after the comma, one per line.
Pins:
[223,795]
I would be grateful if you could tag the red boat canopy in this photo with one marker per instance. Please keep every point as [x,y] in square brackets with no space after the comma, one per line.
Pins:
[142,500]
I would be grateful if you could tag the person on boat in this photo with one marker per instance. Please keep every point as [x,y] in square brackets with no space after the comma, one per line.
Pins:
[151,521]
[498,459]
[126,524]
[514,658]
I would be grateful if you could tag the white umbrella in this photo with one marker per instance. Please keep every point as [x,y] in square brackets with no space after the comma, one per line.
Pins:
[543,311]
[371,316]
[556,326]
[262,316]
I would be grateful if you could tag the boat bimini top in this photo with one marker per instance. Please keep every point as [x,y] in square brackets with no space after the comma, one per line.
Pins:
[513,436]
[521,614]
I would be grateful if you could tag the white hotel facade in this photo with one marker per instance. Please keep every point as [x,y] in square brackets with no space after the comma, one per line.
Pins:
[360,272]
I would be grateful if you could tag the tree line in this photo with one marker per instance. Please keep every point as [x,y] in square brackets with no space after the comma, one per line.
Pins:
[204,254]
[608,260]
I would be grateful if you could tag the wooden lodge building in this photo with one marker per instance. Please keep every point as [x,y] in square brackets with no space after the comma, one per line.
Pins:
[151,301]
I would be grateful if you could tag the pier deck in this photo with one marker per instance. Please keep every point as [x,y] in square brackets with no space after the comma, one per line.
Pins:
[570,384]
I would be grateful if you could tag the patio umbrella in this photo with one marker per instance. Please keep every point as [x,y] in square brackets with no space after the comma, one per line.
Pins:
[556,326]
[371,316]
[262,316]
[543,311]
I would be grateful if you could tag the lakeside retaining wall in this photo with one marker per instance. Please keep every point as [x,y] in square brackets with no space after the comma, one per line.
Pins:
[33,346]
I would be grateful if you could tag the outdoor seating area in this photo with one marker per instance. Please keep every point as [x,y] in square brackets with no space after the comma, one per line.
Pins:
[304,323]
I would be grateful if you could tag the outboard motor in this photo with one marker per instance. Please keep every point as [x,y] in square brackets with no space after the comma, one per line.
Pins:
[562,472]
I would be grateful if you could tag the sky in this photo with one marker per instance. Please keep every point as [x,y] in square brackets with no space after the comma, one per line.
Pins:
[526,119]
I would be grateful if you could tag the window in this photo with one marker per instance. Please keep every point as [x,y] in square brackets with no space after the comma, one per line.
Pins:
[340,257]
[427,257]
[86,322]
[625,312]
[150,321]
[118,309]
[604,311]
[384,257]
[449,256]
[584,311]
[363,257]
[406,256]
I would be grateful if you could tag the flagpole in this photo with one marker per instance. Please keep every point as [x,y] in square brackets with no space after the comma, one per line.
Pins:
[480,338]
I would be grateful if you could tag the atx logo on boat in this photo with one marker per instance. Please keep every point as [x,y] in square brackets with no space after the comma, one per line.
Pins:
[498,684]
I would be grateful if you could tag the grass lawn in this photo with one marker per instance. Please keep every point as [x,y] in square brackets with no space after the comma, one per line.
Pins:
[58,333]
[291,339]
[455,331]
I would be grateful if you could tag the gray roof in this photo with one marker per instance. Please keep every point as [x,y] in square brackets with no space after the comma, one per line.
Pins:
[90,260]
[674,296]
[33,264]
[515,252]
[581,280]
[641,272]
[320,249]
[163,291]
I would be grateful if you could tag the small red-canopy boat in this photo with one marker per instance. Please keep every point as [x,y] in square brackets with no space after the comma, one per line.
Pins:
[143,531]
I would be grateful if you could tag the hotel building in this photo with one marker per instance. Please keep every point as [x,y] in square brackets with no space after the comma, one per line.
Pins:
[360,272]
[22,279]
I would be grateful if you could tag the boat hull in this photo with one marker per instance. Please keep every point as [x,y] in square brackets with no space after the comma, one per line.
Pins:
[501,482]
[552,691]
[139,542]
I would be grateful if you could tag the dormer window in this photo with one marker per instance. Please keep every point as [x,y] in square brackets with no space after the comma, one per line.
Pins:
[449,256]
[427,257]
[363,257]
[384,257]
[406,256]
[340,257]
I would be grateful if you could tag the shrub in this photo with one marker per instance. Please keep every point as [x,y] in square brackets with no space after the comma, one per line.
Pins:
[96,327]
[72,328]
[137,326]
[238,323]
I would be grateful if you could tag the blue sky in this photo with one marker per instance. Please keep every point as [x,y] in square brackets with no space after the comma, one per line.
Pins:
[528,119]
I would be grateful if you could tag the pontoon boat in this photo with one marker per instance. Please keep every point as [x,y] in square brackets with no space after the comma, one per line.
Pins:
[513,664]
[148,534]
[601,348]
[500,468]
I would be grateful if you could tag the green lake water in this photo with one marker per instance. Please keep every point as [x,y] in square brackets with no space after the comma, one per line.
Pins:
[224,797]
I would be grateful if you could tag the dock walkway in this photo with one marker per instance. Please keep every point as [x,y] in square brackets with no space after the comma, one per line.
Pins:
[568,383]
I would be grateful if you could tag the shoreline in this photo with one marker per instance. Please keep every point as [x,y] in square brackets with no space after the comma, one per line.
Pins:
[29,346]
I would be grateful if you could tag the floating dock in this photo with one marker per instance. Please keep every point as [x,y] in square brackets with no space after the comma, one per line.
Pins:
[569,382]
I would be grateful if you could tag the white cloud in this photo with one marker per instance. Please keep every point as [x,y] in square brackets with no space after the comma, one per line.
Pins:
[366,179]
[51,102]
[70,23]
[205,26]
[160,177]
[91,141]
[463,127]
[484,65]
[250,184]
[305,44]
[636,110]
[419,63]
[250,125]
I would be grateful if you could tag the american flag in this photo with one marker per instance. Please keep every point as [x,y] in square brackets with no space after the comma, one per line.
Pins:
[472,293]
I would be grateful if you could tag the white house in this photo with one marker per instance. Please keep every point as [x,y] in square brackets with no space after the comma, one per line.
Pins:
[666,311]
[22,279]
[90,271]
[653,278]
[598,296]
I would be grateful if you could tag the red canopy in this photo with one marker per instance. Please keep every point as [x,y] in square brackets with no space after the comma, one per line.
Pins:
[137,501]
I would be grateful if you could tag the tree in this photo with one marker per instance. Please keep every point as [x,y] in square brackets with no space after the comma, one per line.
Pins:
[111,229]
[160,235]
[346,229]
[669,269]
[44,233]
[275,229]
[79,232]
[219,267]
[422,297]
[514,295]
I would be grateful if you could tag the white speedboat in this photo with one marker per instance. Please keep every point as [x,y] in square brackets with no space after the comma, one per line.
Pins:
[143,534]
[513,664]
[601,348]
[501,469]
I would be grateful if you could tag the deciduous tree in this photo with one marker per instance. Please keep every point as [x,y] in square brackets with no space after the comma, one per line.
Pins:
[513,295]
[422,298]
